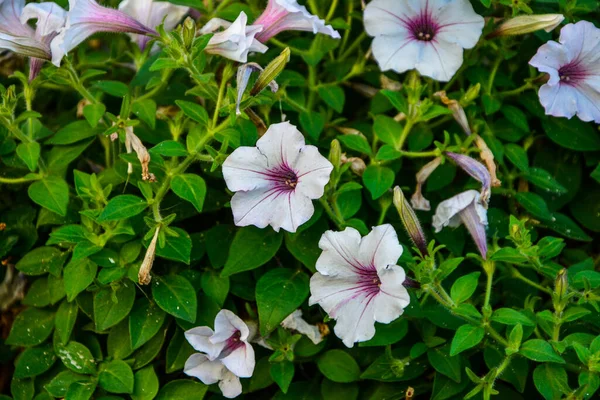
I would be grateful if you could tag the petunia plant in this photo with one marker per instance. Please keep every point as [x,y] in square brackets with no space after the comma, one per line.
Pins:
[299,199]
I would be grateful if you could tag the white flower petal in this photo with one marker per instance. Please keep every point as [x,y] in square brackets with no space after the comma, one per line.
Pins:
[440,59]
[559,100]
[340,256]
[459,23]
[549,58]
[50,17]
[356,321]
[399,53]
[199,338]
[236,41]
[295,322]
[385,17]
[230,385]
[246,169]
[447,211]
[393,298]
[199,366]
[226,324]
[10,21]
[313,171]
[281,144]
[241,361]
[588,103]
[380,247]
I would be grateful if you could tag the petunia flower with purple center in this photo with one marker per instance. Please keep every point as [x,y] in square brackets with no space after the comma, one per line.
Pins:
[573,64]
[276,181]
[426,35]
[358,282]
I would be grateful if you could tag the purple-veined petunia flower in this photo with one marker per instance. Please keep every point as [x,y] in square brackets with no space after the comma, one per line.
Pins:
[358,282]
[477,170]
[288,15]
[86,17]
[225,354]
[151,14]
[276,181]
[426,35]
[236,40]
[574,68]
[464,209]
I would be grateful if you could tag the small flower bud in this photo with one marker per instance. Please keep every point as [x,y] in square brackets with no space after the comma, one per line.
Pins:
[144,272]
[189,32]
[527,24]
[410,221]
[472,94]
[561,283]
[397,368]
[272,71]
[335,153]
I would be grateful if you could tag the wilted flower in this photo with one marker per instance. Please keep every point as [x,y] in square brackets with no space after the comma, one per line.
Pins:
[276,180]
[144,277]
[295,322]
[428,36]
[86,17]
[464,208]
[151,14]
[225,354]
[458,112]
[288,15]
[133,143]
[528,23]
[477,171]
[488,158]
[418,201]
[236,41]
[573,66]
[358,282]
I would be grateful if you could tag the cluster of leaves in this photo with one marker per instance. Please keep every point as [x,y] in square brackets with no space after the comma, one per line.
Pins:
[76,223]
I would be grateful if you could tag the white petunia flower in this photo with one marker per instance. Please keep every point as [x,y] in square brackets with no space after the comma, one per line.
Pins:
[426,35]
[225,354]
[574,69]
[358,282]
[288,15]
[276,181]
[236,41]
[464,208]
[151,13]
[295,322]
[86,17]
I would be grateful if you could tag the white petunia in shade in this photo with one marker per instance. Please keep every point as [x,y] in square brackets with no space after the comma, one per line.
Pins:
[236,40]
[288,15]
[574,68]
[426,35]
[151,14]
[464,209]
[358,282]
[276,181]
[86,17]
[225,354]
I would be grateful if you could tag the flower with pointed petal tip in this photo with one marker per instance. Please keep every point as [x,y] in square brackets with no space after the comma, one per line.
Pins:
[464,208]
[236,41]
[527,24]
[288,15]
[225,354]
[358,282]
[276,181]
[426,35]
[86,17]
[477,171]
[574,66]
[151,14]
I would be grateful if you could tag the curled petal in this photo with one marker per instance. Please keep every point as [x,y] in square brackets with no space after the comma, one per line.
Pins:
[199,366]
[447,211]
[236,41]
[240,361]
[474,218]
[295,322]
[477,171]
[199,339]
[418,201]
[226,324]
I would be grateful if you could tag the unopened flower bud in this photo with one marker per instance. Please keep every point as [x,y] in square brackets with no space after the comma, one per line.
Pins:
[271,72]
[397,368]
[471,94]
[357,165]
[188,32]
[144,272]
[527,24]
[410,221]
[562,283]
[335,153]
[457,111]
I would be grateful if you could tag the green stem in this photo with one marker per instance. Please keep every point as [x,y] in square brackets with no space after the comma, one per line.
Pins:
[312,84]
[518,90]
[164,82]
[332,215]
[332,8]
[517,274]
[420,154]
[222,86]
[353,46]
[489,269]
[14,181]
[490,85]
[405,132]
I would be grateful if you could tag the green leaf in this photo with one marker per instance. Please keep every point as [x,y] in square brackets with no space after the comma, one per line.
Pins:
[508,316]
[81,390]
[182,389]
[587,210]
[333,96]
[397,99]
[162,63]
[30,154]
[312,123]
[111,307]
[338,366]
[123,206]
[440,359]
[93,113]
[169,148]
[65,320]
[464,287]
[145,385]
[279,293]
[567,227]
[534,204]
[78,275]
[215,286]
[356,142]
[250,249]
[509,255]
[516,117]
[146,111]
[52,193]
[190,187]
[31,327]
[540,351]
[59,385]
[466,336]
[517,155]
[113,88]
[116,377]
[40,261]
[283,373]
[388,130]
[378,180]
[67,234]
[77,358]
[387,333]
[551,381]
[34,361]
[145,321]
[177,248]
[542,179]
[572,134]
[193,111]
[178,351]
[175,295]
[73,132]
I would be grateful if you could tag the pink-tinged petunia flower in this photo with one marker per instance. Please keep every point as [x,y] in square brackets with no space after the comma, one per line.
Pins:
[426,35]
[225,354]
[464,209]
[276,181]
[151,14]
[358,282]
[288,15]
[86,17]
[477,170]
[574,68]
[236,40]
